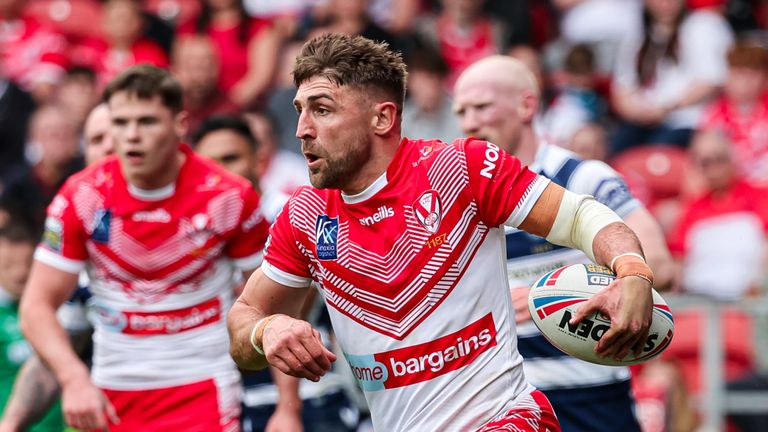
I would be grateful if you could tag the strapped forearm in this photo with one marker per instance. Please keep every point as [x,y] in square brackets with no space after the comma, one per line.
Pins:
[578,220]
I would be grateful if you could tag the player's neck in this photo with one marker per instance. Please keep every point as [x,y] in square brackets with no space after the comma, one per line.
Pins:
[528,147]
[159,180]
[381,157]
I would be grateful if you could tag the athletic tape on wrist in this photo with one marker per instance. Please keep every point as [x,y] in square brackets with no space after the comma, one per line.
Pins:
[632,265]
[257,333]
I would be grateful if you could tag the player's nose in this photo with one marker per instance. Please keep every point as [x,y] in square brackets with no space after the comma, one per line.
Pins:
[305,128]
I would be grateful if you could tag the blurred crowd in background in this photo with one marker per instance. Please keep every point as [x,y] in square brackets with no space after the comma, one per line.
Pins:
[671,93]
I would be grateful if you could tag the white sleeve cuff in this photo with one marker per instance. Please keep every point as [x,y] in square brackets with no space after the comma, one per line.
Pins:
[284,278]
[527,201]
[57,261]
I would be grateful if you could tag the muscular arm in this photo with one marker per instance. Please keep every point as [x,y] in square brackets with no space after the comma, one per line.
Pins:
[47,289]
[289,344]
[35,390]
[577,221]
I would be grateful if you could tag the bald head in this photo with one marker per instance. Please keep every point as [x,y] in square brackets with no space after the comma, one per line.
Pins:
[501,72]
[495,99]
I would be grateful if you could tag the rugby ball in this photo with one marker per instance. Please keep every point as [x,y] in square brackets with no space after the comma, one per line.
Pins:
[554,298]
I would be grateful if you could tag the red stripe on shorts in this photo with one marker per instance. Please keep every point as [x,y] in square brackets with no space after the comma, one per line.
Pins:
[189,408]
[533,413]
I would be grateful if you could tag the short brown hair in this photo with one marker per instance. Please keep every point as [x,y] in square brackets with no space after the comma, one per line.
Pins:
[748,55]
[580,60]
[146,82]
[353,61]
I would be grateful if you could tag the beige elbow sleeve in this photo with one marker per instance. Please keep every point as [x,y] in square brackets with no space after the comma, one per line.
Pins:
[578,220]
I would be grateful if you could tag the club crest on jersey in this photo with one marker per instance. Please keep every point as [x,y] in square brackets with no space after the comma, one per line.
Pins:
[102,221]
[428,210]
[326,233]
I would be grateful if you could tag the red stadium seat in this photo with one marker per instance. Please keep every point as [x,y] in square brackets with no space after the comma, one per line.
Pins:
[653,173]
[738,345]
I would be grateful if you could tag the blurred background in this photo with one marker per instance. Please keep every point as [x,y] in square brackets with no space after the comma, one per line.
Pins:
[671,93]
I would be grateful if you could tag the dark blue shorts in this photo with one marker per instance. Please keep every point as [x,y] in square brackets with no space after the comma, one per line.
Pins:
[607,408]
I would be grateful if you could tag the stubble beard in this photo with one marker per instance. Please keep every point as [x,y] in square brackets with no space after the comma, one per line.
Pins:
[336,172]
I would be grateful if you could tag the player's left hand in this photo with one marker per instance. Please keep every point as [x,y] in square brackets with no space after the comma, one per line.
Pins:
[629,303]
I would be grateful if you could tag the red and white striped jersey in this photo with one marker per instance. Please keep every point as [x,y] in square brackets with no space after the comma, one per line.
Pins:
[161,266]
[414,276]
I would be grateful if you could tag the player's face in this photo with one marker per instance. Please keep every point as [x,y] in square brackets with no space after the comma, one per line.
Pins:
[98,141]
[486,114]
[146,136]
[334,129]
[230,150]
[15,262]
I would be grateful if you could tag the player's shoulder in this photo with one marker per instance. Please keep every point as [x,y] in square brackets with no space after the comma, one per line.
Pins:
[97,175]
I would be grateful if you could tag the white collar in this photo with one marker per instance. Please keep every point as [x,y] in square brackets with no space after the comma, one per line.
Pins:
[370,191]
[158,194]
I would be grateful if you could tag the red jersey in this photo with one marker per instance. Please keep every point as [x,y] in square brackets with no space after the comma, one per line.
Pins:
[747,130]
[233,52]
[108,62]
[414,276]
[31,53]
[722,239]
[161,265]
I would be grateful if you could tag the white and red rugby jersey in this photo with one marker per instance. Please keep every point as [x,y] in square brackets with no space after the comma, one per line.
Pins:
[414,275]
[161,266]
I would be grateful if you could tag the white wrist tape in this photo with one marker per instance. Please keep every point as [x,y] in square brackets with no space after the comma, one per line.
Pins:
[256,346]
[613,261]
[578,221]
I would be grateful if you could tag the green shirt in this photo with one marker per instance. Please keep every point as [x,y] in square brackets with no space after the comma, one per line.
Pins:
[14,350]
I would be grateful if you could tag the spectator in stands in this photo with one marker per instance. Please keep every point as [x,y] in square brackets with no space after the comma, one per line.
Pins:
[720,238]
[17,244]
[577,102]
[351,17]
[124,43]
[427,112]
[78,94]
[53,154]
[590,142]
[16,107]
[666,72]
[196,65]
[600,23]
[31,55]
[463,33]
[741,112]
[280,105]
[278,170]
[247,48]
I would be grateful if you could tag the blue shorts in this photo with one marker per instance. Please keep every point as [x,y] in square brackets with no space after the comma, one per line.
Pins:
[607,408]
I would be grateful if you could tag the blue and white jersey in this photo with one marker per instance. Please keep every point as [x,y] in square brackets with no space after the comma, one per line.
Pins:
[529,257]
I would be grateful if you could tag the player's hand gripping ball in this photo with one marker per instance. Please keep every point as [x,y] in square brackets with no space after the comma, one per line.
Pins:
[556,295]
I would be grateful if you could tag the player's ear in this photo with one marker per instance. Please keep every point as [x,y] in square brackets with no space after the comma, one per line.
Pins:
[384,118]
[529,104]
[181,124]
